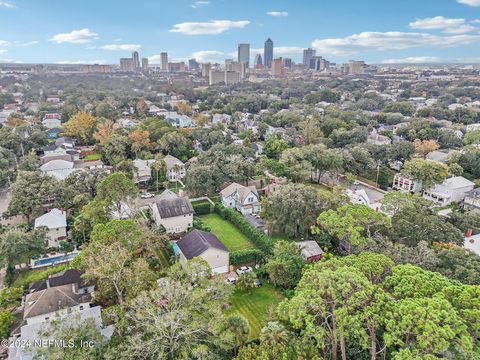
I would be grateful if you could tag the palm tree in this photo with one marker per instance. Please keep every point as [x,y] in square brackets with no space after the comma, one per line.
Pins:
[158,166]
[176,169]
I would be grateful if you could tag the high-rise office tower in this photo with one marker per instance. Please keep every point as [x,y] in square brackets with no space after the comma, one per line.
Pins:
[145,63]
[356,67]
[206,67]
[277,67]
[268,53]
[127,64]
[244,54]
[164,61]
[193,64]
[136,60]
[287,63]
[307,55]
[258,61]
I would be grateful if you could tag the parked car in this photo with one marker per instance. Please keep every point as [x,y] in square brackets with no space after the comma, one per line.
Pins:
[147,196]
[231,280]
[244,269]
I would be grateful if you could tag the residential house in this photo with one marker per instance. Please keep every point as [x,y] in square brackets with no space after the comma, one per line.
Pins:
[452,190]
[439,156]
[142,172]
[377,139]
[65,303]
[206,246]
[52,120]
[175,168]
[472,127]
[258,149]
[53,133]
[360,197]
[472,200]
[406,183]
[69,276]
[59,169]
[221,119]
[310,250]
[174,214]
[56,223]
[243,198]
[472,242]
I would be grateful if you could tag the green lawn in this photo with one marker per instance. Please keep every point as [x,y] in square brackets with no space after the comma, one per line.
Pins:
[255,306]
[92,157]
[226,232]
[26,277]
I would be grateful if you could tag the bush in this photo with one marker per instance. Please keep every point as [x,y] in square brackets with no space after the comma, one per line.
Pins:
[202,208]
[246,256]
[257,237]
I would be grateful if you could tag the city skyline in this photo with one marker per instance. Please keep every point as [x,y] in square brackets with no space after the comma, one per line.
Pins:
[210,31]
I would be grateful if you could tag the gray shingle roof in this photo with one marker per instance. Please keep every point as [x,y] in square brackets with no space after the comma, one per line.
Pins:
[197,242]
[168,208]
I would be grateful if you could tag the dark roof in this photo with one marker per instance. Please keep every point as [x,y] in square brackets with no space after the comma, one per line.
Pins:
[70,276]
[168,208]
[474,192]
[197,242]
[49,147]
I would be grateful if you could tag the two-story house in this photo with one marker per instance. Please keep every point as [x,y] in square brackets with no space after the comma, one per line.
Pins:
[56,223]
[174,214]
[243,198]
[175,168]
[406,183]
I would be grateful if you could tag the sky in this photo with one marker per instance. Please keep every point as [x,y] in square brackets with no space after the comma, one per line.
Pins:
[102,31]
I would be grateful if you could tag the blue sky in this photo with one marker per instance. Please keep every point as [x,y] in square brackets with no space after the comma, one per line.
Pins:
[102,31]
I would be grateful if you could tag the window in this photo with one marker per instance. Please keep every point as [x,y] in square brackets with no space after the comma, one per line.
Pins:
[81,307]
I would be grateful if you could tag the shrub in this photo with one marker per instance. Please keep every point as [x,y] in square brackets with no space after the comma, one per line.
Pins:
[202,208]
[246,256]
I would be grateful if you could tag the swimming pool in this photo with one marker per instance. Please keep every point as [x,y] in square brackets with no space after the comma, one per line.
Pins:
[176,249]
[53,260]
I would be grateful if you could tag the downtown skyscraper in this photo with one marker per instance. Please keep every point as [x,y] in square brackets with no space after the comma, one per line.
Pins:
[268,53]
[244,54]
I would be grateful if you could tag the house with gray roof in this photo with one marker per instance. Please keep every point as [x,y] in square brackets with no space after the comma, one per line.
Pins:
[205,245]
[243,198]
[56,223]
[175,214]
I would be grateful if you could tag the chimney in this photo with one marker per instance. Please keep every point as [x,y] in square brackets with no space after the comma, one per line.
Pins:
[469,233]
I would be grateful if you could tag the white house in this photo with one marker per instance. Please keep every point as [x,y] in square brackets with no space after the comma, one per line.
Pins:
[56,222]
[472,127]
[406,183]
[174,214]
[59,169]
[243,198]
[360,197]
[142,172]
[175,168]
[472,243]
[51,123]
[452,190]
[204,245]
[472,200]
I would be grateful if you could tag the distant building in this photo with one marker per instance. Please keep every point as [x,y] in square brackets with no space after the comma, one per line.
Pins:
[216,77]
[452,190]
[258,63]
[126,64]
[472,200]
[356,67]
[136,60]
[164,61]
[144,64]
[268,53]
[310,250]
[206,67]
[177,66]
[307,55]
[277,67]
[193,64]
[232,77]
[56,223]
[97,68]
[287,63]
[244,54]
[406,183]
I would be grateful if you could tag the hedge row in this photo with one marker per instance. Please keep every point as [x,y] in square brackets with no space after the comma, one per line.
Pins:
[202,208]
[246,256]
[257,237]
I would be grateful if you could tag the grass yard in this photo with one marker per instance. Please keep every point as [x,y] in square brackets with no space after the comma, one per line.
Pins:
[26,277]
[92,157]
[255,306]
[226,232]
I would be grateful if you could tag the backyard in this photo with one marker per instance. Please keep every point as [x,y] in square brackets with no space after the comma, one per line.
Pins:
[226,232]
[255,306]
[26,277]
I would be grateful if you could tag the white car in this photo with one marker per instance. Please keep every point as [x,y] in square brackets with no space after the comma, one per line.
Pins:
[231,280]
[244,269]
[147,196]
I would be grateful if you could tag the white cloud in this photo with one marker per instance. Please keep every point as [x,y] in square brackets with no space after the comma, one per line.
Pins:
[448,25]
[208,56]
[7,5]
[79,62]
[277,13]
[469,2]
[29,43]
[212,27]
[121,47]
[198,4]
[154,59]
[4,43]
[476,21]
[75,37]
[380,41]
[414,60]
[3,51]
